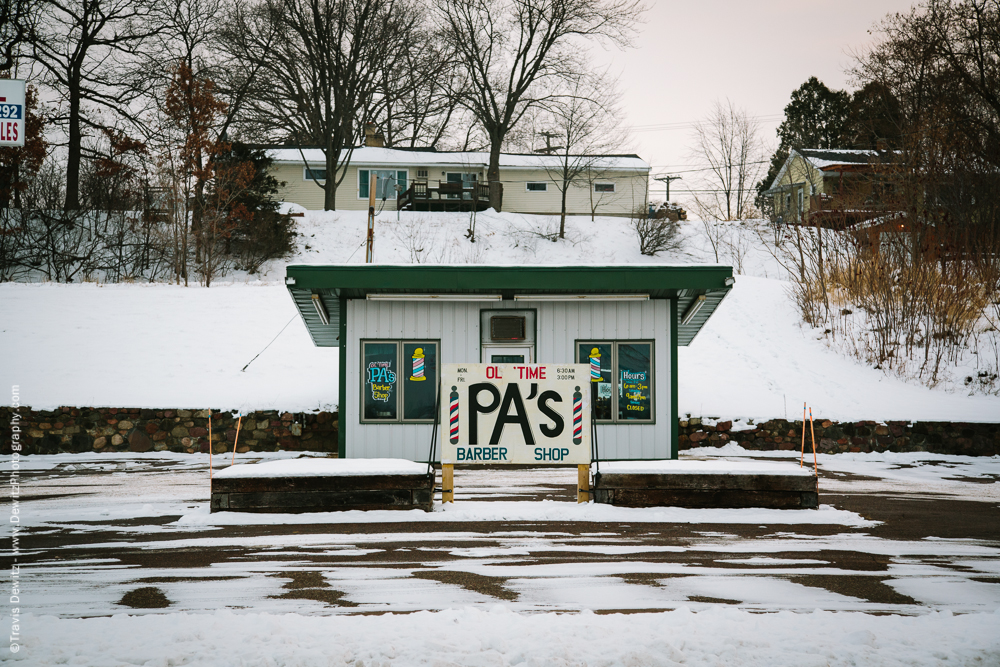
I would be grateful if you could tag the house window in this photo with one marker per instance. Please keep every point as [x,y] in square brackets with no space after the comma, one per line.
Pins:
[621,379]
[537,187]
[313,174]
[421,173]
[385,185]
[399,380]
[604,187]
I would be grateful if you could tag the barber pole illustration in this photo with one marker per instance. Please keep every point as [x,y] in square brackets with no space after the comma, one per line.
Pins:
[418,365]
[595,365]
[577,417]
[453,419]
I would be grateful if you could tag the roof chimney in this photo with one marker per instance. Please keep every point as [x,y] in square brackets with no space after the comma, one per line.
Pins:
[373,137]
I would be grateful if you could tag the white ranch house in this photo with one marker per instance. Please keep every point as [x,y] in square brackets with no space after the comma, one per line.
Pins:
[612,185]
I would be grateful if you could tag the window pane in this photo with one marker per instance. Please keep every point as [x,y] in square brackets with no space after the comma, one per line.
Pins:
[380,385]
[401,180]
[537,187]
[635,381]
[598,355]
[315,174]
[421,380]
[385,186]
[362,184]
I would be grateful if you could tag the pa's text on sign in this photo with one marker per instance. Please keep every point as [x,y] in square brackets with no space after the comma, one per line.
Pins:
[515,413]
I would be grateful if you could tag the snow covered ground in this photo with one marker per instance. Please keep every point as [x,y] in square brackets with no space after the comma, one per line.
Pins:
[499,637]
[163,346]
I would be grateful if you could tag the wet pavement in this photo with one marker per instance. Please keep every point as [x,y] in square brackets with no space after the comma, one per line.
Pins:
[112,534]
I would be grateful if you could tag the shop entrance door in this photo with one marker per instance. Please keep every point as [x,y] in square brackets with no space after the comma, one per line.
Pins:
[508,354]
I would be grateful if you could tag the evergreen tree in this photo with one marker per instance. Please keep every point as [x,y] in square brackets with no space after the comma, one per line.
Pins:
[260,233]
[816,117]
[875,115]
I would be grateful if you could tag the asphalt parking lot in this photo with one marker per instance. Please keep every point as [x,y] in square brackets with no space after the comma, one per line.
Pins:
[105,535]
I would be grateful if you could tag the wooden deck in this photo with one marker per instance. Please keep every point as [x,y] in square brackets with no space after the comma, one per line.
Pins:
[423,196]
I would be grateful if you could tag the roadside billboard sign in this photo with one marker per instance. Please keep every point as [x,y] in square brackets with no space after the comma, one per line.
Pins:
[537,414]
[12,112]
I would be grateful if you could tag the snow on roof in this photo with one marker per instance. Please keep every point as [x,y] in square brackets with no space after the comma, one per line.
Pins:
[824,159]
[706,467]
[372,156]
[314,467]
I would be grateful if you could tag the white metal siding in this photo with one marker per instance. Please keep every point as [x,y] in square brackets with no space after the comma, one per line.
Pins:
[559,326]
[630,190]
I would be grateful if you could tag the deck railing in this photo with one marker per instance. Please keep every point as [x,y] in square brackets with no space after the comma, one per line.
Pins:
[445,194]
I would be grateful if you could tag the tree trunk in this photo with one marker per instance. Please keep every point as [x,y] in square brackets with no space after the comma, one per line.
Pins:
[493,176]
[73,147]
[330,193]
[562,211]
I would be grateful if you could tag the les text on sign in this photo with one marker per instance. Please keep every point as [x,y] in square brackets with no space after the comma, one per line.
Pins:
[12,112]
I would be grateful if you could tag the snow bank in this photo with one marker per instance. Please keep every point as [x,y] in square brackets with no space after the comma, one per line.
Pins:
[753,359]
[163,346]
[716,636]
[324,468]
[702,467]
[546,510]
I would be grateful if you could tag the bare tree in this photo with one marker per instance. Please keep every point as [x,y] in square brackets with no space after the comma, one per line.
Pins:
[322,65]
[16,22]
[584,122]
[82,47]
[419,100]
[728,144]
[514,52]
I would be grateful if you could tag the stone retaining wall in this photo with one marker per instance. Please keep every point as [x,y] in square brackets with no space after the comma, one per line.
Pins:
[863,436]
[135,430]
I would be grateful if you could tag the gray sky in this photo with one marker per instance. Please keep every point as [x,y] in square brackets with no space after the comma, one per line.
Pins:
[689,54]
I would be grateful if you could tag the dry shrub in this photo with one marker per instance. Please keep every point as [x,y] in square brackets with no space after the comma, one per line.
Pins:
[904,311]
[656,235]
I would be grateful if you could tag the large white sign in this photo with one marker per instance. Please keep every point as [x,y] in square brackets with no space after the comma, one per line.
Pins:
[537,414]
[11,112]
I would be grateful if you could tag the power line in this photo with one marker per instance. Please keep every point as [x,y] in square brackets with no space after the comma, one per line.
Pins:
[680,125]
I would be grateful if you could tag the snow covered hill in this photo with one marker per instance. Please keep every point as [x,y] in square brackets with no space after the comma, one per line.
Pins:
[172,347]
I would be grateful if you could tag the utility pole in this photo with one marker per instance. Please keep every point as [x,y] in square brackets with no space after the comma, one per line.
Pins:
[666,181]
[549,136]
[370,253]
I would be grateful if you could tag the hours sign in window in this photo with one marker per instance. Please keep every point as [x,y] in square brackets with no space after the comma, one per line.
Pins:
[621,377]
[399,381]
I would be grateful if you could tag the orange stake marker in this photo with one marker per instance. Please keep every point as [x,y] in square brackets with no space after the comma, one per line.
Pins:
[803,457]
[209,445]
[237,438]
[813,433]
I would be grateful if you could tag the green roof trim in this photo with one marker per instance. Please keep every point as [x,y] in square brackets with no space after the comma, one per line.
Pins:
[333,283]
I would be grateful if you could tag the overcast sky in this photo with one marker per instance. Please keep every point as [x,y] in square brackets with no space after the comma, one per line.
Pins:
[689,54]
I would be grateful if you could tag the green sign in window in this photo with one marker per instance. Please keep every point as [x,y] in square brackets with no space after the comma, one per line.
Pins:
[621,374]
[635,367]
[399,380]
[381,381]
